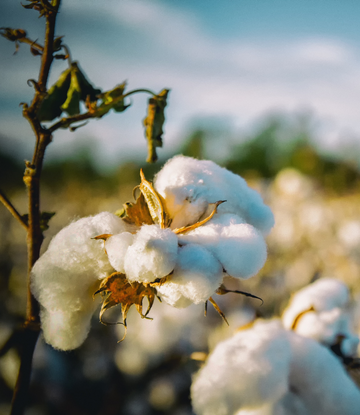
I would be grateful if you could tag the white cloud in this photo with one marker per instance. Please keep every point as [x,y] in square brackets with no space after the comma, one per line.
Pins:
[156,45]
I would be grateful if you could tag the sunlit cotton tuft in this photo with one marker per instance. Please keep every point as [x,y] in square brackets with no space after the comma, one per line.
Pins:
[189,185]
[67,274]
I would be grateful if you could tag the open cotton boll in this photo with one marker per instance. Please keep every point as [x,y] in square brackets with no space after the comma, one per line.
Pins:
[152,255]
[197,275]
[319,379]
[329,328]
[189,185]
[240,248]
[116,247]
[267,370]
[64,278]
[247,371]
[319,311]
[324,294]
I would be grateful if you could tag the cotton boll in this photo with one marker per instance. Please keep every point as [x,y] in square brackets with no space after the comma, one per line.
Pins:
[322,327]
[189,185]
[196,277]
[116,247]
[319,379]
[267,370]
[67,274]
[152,255]
[247,371]
[319,311]
[238,246]
[349,345]
[323,294]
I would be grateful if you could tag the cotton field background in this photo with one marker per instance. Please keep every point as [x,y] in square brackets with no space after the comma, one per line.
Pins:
[315,199]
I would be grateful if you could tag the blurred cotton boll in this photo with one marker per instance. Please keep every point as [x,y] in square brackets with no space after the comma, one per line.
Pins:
[321,311]
[189,186]
[269,370]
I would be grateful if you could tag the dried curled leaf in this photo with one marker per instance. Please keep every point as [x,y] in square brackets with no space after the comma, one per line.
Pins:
[154,122]
[117,290]
[137,213]
[12,34]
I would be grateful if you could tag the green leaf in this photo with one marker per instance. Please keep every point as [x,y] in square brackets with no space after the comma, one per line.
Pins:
[72,104]
[113,99]
[86,88]
[154,122]
[51,106]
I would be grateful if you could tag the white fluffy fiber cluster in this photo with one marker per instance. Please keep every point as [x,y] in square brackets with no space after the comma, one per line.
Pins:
[67,274]
[232,242]
[189,186]
[329,322]
[269,370]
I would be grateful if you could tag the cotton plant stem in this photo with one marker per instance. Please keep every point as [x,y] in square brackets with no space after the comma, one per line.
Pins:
[31,327]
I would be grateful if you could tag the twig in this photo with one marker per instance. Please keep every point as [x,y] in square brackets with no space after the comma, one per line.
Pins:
[6,202]
[34,236]
[97,112]
[32,43]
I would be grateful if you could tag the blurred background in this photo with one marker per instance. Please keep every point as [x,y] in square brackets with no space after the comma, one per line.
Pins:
[270,90]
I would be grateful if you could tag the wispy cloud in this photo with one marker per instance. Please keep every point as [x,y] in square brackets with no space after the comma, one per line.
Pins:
[156,44]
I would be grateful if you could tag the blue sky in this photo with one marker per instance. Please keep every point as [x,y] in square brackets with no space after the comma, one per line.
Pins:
[231,61]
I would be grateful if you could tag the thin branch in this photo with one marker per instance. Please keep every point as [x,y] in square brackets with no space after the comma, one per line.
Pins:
[6,202]
[97,112]
[32,43]
[136,91]
[34,235]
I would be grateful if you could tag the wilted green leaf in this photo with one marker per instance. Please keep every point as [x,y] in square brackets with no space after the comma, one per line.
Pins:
[154,122]
[51,106]
[72,103]
[113,99]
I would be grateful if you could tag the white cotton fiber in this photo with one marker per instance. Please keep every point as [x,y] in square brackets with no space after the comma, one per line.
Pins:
[67,274]
[267,370]
[116,247]
[329,322]
[66,330]
[189,185]
[196,277]
[240,248]
[247,371]
[318,378]
[152,255]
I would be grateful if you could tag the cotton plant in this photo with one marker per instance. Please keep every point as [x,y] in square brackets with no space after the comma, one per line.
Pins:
[270,370]
[197,224]
[321,311]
